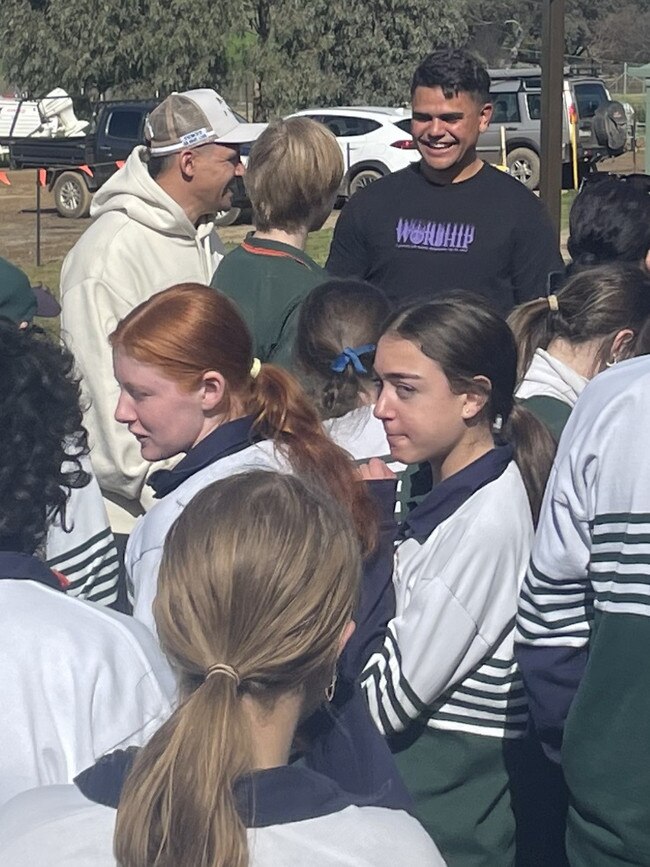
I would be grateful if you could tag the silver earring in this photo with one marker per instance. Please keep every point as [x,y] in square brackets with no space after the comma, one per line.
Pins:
[331,689]
[612,362]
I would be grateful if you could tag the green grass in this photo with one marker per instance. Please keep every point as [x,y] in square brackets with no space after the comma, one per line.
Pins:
[567,200]
[318,245]
[47,274]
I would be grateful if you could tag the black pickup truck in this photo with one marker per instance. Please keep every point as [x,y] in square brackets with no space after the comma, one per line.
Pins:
[77,167]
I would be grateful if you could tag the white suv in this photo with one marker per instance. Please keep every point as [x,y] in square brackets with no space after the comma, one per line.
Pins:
[375,141]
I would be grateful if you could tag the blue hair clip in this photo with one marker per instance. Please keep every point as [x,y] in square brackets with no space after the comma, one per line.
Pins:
[351,356]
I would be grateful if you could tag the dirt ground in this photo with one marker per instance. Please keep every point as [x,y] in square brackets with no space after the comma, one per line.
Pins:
[19,231]
[18,220]
[57,235]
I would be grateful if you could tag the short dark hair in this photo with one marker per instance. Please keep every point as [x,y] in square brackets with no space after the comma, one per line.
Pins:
[454,71]
[157,165]
[609,222]
[41,435]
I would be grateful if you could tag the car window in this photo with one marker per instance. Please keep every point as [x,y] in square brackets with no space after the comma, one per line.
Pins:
[589,96]
[404,125]
[534,101]
[505,108]
[124,124]
[341,125]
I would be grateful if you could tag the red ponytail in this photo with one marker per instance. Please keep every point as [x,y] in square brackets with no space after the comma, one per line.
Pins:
[285,415]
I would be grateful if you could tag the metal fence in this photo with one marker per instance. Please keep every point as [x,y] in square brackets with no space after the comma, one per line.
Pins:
[618,79]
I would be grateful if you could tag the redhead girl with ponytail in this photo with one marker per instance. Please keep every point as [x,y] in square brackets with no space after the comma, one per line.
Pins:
[189,384]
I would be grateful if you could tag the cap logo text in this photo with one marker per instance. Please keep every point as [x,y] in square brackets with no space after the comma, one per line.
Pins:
[192,138]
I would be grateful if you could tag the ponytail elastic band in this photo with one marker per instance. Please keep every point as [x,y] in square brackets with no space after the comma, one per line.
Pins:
[222,668]
[256,366]
[351,356]
[553,303]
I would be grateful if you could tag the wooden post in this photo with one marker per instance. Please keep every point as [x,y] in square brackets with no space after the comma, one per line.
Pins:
[550,185]
[38,219]
[643,72]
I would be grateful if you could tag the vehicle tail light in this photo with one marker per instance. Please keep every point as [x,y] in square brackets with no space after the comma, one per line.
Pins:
[573,113]
[404,144]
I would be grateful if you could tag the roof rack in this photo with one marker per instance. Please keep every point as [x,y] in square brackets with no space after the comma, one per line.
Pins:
[515,72]
[572,67]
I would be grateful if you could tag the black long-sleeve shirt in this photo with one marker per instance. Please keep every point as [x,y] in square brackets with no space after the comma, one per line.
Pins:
[416,239]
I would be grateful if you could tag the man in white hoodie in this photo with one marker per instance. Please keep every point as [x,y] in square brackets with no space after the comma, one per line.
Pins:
[153,227]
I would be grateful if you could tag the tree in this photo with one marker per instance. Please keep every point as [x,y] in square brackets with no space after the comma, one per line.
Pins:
[500,29]
[582,19]
[335,51]
[128,47]
[378,43]
[285,57]
[624,36]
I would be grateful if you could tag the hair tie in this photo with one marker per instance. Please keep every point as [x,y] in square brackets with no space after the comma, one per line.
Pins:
[222,668]
[256,366]
[351,356]
[553,303]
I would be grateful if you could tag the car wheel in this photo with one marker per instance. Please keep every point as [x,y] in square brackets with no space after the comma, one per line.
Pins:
[363,179]
[523,164]
[71,195]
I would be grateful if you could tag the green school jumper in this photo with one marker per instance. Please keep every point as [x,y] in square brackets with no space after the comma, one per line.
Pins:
[444,687]
[268,280]
[583,628]
[553,412]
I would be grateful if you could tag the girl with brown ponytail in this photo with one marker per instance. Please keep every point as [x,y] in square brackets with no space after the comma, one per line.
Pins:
[189,384]
[445,687]
[258,582]
[339,325]
[600,316]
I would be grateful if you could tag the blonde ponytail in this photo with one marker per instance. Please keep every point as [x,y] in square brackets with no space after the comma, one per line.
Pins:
[258,580]
[169,814]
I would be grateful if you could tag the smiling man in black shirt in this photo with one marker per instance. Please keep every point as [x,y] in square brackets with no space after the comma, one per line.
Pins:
[450,221]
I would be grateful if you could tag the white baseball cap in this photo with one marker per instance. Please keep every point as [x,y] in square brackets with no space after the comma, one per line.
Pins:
[195,117]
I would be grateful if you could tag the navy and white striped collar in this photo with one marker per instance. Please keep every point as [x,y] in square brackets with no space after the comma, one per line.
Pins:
[449,495]
[15,565]
[227,439]
[275,796]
